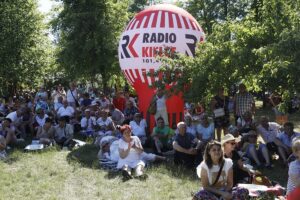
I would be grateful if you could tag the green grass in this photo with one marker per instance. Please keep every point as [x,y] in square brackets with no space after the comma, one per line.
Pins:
[55,174]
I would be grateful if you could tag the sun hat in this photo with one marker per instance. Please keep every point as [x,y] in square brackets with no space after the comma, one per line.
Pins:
[180,124]
[229,137]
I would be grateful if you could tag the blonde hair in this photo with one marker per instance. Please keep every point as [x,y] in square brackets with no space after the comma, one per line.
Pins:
[296,144]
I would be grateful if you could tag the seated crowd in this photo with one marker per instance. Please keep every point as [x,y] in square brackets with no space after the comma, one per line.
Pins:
[119,129]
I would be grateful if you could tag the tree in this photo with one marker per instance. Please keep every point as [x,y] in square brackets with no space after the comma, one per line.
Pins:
[23,45]
[209,12]
[88,34]
[264,54]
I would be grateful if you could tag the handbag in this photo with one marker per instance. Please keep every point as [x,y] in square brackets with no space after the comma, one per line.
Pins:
[219,174]
[152,108]
[219,112]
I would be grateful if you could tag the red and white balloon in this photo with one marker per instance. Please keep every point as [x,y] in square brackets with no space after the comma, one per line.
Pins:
[150,32]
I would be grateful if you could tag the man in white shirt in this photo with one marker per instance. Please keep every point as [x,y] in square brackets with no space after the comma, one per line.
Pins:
[105,124]
[87,123]
[138,126]
[66,111]
[72,95]
[269,131]
[39,118]
[16,118]
[63,135]
[161,107]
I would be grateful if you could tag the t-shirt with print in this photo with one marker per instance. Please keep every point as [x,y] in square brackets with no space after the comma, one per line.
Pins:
[212,173]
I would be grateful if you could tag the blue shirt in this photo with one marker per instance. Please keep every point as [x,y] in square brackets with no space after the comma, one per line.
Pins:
[286,140]
[185,141]
[206,132]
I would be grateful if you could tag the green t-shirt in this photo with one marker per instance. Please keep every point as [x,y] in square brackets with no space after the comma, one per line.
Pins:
[165,131]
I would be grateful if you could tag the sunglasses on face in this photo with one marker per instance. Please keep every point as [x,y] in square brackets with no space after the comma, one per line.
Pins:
[232,143]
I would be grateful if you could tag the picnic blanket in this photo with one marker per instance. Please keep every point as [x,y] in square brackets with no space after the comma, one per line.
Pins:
[261,190]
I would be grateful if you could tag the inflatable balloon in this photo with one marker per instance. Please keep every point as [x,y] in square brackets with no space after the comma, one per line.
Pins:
[149,32]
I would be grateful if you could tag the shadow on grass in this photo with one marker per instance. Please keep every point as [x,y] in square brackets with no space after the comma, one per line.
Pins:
[85,155]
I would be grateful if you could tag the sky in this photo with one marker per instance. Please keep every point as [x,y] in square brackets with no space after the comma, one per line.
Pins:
[46,5]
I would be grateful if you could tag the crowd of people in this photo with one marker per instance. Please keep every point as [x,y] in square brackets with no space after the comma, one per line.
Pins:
[119,129]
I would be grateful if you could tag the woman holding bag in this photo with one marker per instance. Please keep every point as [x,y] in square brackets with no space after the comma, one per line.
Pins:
[216,176]
[219,106]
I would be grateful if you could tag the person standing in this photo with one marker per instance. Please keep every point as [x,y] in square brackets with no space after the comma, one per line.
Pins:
[161,106]
[72,95]
[243,102]
[219,106]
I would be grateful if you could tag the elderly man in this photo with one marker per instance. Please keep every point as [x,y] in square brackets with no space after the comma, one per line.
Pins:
[66,111]
[269,131]
[186,147]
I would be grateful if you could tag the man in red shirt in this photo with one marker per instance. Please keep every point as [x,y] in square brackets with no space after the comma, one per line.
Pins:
[119,101]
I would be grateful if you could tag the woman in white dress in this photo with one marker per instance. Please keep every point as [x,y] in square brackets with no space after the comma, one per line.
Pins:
[130,150]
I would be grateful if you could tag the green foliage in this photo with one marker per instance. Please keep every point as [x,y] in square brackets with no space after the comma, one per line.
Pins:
[209,12]
[24,44]
[263,54]
[88,34]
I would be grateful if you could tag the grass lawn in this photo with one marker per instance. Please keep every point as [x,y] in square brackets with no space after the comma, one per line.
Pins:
[55,174]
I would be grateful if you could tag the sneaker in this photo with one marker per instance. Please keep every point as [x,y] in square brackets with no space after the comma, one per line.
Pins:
[126,175]
[3,155]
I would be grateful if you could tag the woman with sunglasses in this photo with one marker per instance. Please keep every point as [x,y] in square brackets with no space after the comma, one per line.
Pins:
[216,176]
[240,173]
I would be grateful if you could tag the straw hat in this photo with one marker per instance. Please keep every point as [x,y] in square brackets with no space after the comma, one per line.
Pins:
[229,137]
